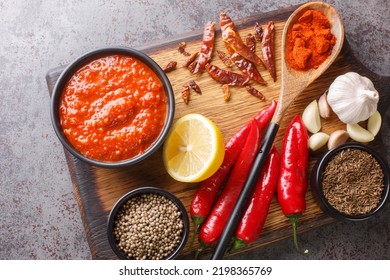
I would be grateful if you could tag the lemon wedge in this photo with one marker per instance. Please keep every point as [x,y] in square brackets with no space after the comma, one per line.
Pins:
[194,149]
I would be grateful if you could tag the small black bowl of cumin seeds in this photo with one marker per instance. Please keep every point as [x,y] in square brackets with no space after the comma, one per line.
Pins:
[148,223]
[351,182]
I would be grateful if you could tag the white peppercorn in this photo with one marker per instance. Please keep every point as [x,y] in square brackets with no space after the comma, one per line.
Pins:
[148,226]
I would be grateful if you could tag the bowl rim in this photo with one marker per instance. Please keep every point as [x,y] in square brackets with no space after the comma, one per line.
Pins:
[82,60]
[145,190]
[316,183]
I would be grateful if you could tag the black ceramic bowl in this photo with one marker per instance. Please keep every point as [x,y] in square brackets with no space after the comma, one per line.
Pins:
[85,59]
[137,192]
[317,186]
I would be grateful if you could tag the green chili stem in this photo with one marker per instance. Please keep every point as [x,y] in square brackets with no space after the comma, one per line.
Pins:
[193,238]
[294,219]
[237,244]
[200,249]
[197,222]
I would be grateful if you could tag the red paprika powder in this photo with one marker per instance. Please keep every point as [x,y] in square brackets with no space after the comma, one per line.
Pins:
[309,41]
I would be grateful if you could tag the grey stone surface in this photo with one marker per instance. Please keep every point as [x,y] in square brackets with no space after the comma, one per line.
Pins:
[39,217]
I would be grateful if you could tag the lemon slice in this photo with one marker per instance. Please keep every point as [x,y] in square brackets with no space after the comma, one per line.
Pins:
[194,149]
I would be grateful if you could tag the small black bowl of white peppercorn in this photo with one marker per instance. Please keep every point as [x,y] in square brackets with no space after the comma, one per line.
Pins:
[148,223]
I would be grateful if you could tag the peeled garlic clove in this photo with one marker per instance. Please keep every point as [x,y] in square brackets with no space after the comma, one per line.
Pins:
[311,117]
[318,140]
[374,123]
[358,133]
[323,107]
[337,138]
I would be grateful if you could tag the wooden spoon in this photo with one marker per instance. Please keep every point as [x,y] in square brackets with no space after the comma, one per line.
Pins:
[293,83]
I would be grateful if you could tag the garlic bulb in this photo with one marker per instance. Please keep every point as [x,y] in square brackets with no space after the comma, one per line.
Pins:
[353,98]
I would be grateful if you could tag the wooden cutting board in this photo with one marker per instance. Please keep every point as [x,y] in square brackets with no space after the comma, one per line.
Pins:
[98,189]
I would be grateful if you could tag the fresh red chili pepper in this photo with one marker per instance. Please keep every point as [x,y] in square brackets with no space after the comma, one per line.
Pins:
[226,77]
[212,228]
[206,51]
[206,193]
[293,180]
[255,215]
[268,49]
[264,116]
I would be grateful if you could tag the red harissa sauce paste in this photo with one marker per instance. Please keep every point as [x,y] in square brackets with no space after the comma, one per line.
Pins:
[113,108]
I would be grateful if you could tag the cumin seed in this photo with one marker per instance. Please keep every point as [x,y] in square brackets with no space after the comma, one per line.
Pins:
[353,182]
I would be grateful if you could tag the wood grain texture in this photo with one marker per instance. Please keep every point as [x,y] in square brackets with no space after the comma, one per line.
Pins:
[97,189]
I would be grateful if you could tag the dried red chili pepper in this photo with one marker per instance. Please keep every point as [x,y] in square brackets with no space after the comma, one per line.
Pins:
[206,51]
[226,22]
[255,92]
[192,66]
[293,180]
[195,86]
[225,59]
[258,30]
[185,93]
[182,49]
[248,68]
[206,193]
[268,49]
[232,39]
[251,42]
[191,59]
[226,77]
[226,92]
[255,215]
[212,228]
[170,66]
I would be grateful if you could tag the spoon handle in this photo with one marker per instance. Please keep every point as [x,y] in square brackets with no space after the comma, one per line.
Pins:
[246,192]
